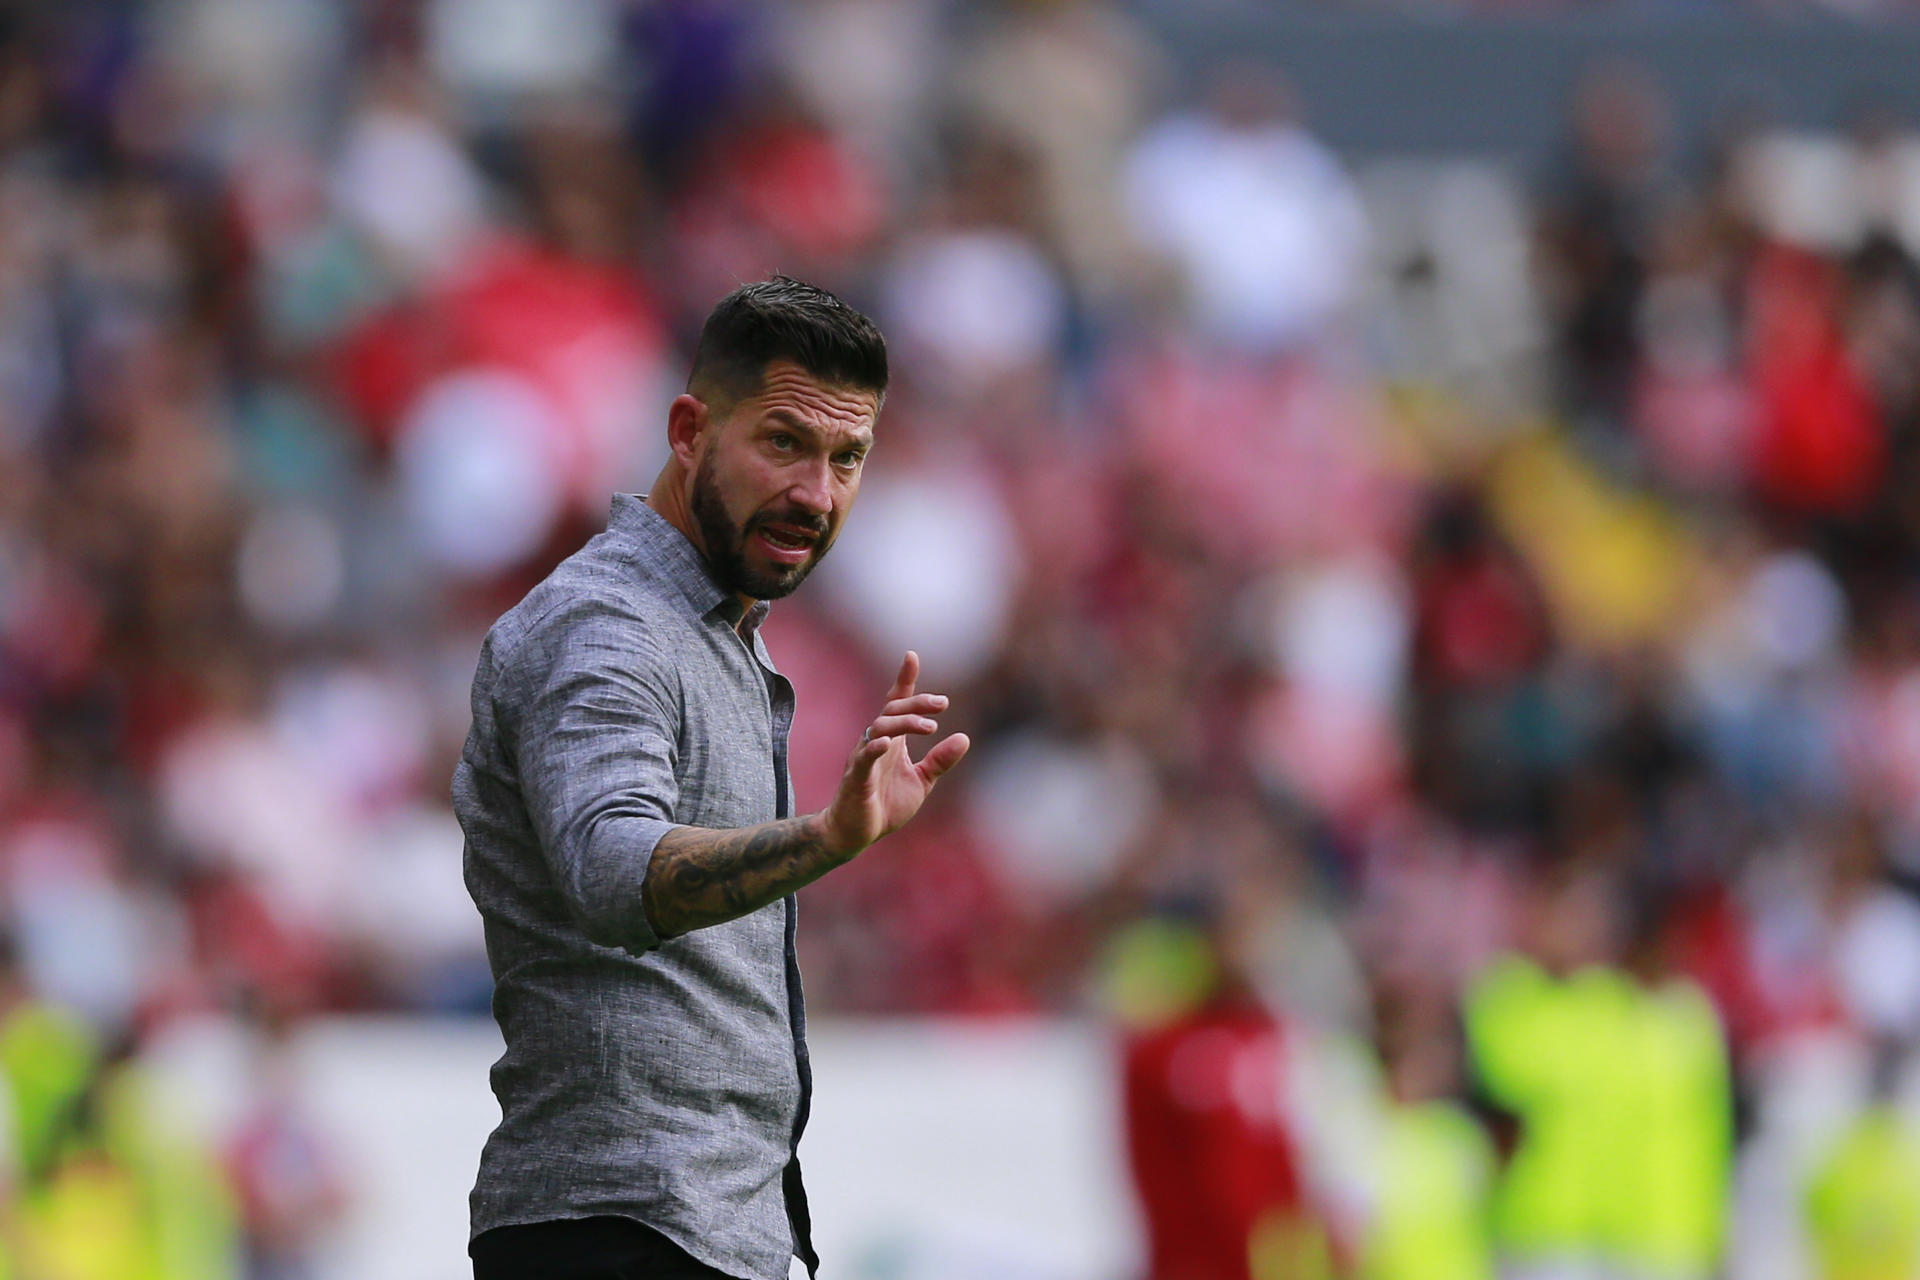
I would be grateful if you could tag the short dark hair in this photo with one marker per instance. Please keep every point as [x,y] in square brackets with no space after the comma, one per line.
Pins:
[785,319]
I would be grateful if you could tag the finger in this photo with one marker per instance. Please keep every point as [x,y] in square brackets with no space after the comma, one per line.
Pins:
[908,677]
[893,726]
[922,704]
[946,753]
[869,749]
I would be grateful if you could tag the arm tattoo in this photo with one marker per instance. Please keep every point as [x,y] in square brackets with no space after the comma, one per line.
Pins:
[700,877]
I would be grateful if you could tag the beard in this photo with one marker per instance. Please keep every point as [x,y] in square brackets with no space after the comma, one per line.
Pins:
[726,542]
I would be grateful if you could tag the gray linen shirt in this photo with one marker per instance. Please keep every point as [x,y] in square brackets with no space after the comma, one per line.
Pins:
[661,1081]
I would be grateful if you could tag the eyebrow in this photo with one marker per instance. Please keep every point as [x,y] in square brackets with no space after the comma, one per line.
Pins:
[864,442]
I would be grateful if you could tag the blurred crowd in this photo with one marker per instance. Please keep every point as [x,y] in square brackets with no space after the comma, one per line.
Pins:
[1445,634]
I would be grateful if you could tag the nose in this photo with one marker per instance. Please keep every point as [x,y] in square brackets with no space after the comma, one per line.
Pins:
[812,488]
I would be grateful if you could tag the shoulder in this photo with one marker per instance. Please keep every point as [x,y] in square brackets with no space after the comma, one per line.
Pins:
[589,610]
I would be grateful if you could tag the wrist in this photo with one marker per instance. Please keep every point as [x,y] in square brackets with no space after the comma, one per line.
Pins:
[838,847]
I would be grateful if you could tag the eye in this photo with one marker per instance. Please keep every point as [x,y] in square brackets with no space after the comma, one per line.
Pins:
[849,459]
[783,441]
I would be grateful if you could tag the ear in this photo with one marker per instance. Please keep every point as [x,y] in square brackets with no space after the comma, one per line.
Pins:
[688,420]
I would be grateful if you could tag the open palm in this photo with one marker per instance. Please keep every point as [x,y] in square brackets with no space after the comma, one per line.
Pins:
[883,785]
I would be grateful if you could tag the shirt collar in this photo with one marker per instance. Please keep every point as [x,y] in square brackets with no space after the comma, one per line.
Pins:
[664,553]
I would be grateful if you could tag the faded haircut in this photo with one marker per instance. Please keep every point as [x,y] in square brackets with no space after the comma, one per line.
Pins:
[784,319]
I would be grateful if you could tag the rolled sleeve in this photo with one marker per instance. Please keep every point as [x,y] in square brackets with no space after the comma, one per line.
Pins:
[596,748]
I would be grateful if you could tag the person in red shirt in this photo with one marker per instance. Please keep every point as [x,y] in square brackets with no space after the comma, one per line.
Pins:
[1215,1167]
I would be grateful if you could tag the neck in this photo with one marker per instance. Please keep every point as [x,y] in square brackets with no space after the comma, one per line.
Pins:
[669,497]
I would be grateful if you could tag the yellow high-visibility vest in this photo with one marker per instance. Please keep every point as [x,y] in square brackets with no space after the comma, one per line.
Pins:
[47,1056]
[1863,1202]
[1431,1217]
[1670,1153]
[1540,1046]
[1625,1102]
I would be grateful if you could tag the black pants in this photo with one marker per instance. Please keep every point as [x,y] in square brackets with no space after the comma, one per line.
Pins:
[583,1249]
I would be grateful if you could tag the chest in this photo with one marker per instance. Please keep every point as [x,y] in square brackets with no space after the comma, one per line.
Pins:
[736,713]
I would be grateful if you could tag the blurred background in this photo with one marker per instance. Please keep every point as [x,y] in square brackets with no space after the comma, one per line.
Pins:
[1418,504]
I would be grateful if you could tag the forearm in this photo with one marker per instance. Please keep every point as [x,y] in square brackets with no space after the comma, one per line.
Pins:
[699,876]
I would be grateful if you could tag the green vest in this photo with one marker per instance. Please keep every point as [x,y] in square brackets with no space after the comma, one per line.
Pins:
[1538,1045]
[1625,1104]
[1863,1202]
[47,1055]
[1430,1220]
[1671,1150]
[126,1200]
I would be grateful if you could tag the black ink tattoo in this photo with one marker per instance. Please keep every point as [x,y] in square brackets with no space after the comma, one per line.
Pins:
[700,877]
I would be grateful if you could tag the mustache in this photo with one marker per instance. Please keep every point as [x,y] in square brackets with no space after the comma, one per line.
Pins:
[798,519]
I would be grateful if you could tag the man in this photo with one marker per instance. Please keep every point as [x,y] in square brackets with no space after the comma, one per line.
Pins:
[630,844]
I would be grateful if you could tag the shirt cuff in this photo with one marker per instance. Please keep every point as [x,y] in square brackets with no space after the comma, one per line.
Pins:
[606,892]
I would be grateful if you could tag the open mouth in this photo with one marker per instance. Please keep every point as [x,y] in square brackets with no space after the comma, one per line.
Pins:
[786,543]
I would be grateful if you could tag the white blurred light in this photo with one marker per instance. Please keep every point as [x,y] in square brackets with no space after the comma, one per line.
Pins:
[929,562]
[1264,221]
[1063,813]
[1795,610]
[79,932]
[236,798]
[521,46]
[477,472]
[361,731]
[404,183]
[1342,629]
[1877,959]
[862,64]
[1803,191]
[260,53]
[409,900]
[982,303]
[292,568]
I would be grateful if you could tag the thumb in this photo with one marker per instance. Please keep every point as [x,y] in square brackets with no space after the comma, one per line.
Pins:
[945,754]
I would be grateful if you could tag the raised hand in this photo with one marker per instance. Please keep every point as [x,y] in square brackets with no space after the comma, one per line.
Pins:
[883,785]
[698,877]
